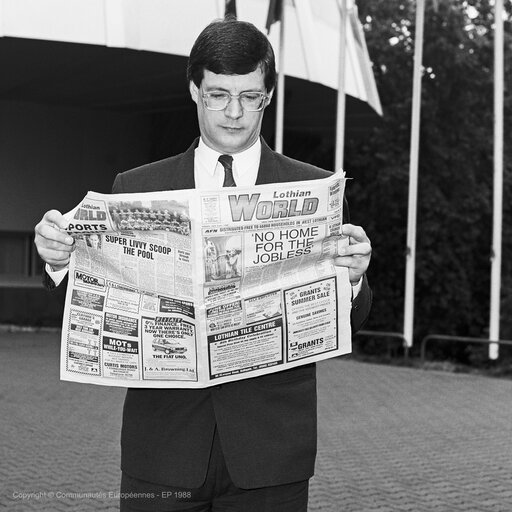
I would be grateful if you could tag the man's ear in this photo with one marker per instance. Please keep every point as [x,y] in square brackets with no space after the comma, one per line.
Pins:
[270,94]
[194,91]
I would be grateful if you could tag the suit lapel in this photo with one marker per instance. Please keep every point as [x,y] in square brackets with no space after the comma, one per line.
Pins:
[268,171]
[182,176]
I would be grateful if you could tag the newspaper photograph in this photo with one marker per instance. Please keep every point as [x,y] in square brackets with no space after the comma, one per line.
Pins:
[195,288]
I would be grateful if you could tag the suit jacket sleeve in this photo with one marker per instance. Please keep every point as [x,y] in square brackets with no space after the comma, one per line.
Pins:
[49,283]
[362,304]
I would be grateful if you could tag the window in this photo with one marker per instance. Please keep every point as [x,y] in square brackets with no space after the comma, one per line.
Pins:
[18,255]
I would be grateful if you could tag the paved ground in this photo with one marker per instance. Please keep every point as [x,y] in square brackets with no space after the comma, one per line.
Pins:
[390,439]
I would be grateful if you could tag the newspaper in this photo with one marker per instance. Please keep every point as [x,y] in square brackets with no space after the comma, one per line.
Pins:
[194,288]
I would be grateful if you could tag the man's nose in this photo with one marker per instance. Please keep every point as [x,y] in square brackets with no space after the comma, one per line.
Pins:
[234,109]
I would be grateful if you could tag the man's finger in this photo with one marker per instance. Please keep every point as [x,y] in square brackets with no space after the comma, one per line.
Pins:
[55,258]
[362,249]
[56,218]
[355,262]
[53,235]
[354,232]
[51,229]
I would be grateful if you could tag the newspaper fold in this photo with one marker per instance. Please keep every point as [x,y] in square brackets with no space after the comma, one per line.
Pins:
[194,288]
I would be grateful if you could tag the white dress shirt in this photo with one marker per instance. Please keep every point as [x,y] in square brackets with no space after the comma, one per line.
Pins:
[209,172]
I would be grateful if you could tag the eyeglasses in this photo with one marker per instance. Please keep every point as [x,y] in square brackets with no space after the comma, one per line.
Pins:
[250,101]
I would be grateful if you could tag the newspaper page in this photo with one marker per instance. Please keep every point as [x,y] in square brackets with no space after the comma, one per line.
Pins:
[194,288]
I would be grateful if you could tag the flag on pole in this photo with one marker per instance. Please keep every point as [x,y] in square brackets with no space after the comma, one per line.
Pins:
[275,12]
[230,9]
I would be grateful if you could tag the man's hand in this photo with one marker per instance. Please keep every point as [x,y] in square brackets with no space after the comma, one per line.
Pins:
[356,255]
[53,244]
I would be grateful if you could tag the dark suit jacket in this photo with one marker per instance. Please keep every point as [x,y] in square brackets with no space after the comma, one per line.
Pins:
[266,425]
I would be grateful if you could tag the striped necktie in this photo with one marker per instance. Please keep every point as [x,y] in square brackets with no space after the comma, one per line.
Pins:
[227,163]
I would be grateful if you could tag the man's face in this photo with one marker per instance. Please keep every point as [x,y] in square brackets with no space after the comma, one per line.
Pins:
[233,129]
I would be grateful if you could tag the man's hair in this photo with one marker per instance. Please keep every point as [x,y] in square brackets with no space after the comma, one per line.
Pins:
[231,47]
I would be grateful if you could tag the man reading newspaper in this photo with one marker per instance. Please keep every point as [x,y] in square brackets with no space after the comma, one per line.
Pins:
[248,445]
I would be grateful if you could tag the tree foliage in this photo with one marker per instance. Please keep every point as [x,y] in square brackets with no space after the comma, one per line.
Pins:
[454,225]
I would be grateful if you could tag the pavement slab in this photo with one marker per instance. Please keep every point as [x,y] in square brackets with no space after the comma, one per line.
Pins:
[390,439]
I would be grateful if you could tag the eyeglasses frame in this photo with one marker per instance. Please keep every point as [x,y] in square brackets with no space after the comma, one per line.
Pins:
[265,98]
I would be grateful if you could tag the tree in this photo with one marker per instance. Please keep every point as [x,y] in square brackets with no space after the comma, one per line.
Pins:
[455,167]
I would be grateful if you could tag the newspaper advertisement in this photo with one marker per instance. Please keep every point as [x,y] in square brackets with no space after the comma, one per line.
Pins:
[195,288]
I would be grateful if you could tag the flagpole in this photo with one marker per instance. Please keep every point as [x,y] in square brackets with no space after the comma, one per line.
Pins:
[494,320]
[230,8]
[340,112]
[413,177]
[280,86]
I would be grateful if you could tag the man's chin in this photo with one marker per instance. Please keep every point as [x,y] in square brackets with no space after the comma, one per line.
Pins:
[233,143]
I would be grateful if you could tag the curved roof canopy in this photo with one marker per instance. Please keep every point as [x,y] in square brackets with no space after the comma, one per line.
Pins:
[171,26]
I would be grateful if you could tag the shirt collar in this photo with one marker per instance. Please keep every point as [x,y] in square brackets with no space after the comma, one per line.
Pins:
[242,161]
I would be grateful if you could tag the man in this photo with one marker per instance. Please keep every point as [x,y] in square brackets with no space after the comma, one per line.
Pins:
[248,445]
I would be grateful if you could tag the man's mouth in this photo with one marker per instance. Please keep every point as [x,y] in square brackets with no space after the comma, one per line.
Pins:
[232,129]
